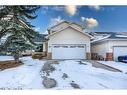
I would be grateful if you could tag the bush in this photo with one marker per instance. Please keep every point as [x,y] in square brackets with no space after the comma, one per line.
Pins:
[9,64]
[38,55]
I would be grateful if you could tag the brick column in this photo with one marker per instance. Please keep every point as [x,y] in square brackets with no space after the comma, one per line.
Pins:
[109,56]
[88,55]
[49,55]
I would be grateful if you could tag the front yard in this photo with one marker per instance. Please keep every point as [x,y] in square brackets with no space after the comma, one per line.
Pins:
[68,74]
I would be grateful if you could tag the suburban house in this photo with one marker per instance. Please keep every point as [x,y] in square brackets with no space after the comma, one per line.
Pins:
[67,40]
[110,45]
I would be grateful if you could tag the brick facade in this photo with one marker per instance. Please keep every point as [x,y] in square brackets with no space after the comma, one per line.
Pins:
[88,56]
[109,56]
[49,55]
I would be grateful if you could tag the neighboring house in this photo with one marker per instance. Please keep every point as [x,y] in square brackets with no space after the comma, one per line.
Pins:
[67,40]
[110,45]
[39,40]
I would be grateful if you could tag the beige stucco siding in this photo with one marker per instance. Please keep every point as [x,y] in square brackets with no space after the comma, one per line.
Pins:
[116,43]
[63,25]
[44,46]
[77,27]
[100,48]
[69,36]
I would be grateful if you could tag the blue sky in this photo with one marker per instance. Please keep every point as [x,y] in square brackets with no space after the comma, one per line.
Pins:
[94,18]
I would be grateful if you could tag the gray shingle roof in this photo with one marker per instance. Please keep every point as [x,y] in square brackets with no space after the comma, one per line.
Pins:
[108,36]
[115,35]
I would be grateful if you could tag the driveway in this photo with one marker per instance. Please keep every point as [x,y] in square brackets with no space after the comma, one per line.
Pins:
[103,66]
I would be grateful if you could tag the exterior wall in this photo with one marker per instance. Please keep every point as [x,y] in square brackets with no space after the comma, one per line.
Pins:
[69,36]
[88,55]
[109,56]
[44,47]
[117,43]
[63,25]
[49,55]
[100,48]
[77,27]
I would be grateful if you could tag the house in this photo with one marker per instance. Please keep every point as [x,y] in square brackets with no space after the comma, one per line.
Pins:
[110,45]
[67,40]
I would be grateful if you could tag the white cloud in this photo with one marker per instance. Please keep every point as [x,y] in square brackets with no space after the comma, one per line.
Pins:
[71,9]
[46,9]
[91,22]
[37,28]
[46,32]
[83,18]
[95,7]
[55,21]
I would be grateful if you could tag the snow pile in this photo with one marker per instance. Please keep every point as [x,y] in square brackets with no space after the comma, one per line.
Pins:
[100,38]
[118,65]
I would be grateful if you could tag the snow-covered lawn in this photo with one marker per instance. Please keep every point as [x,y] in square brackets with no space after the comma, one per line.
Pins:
[3,58]
[28,76]
[118,65]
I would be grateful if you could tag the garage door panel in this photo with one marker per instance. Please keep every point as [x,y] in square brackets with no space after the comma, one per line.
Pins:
[119,51]
[68,52]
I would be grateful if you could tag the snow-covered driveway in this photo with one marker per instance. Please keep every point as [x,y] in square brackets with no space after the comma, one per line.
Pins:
[118,65]
[28,76]
[88,77]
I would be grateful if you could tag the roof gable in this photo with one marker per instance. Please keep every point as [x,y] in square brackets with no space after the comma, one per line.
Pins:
[67,23]
[72,28]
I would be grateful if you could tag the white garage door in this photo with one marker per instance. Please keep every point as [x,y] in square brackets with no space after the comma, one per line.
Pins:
[68,51]
[119,51]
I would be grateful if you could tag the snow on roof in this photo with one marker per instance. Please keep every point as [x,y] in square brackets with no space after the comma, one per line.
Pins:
[100,38]
[118,35]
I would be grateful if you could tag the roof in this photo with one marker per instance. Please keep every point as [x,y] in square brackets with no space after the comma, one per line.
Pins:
[73,28]
[109,36]
[65,22]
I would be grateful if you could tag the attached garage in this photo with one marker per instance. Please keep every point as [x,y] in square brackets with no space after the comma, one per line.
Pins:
[119,51]
[68,41]
[69,51]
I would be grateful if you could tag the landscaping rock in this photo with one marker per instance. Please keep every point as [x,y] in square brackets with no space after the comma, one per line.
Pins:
[55,62]
[47,68]
[74,85]
[49,82]
[64,76]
